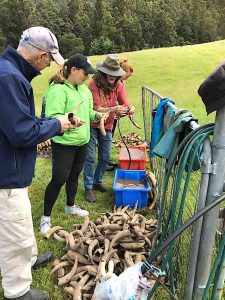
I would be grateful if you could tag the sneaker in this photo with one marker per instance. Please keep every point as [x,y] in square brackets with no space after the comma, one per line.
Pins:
[100,187]
[90,196]
[76,210]
[45,224]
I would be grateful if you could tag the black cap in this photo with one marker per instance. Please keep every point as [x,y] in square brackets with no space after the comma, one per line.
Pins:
[80,61]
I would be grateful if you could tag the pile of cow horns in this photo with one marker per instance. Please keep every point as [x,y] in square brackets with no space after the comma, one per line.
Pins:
[130,139]
[96,250]
[44,149]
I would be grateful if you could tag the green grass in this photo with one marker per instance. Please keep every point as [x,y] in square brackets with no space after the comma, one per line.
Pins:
[173,72]
[42,177]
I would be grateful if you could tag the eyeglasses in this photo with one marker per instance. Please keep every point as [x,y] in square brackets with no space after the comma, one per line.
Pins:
[48,56]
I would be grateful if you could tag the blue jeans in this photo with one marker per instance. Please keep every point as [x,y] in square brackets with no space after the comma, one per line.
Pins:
[92,175]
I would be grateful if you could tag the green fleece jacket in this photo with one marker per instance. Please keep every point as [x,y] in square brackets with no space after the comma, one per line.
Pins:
[61,99]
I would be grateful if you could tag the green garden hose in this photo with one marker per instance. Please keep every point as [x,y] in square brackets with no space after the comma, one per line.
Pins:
[190,145]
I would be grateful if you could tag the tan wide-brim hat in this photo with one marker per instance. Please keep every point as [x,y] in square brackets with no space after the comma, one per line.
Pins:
[111,66]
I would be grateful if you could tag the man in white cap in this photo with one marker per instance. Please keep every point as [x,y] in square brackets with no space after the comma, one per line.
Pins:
[20,132]
[43,40]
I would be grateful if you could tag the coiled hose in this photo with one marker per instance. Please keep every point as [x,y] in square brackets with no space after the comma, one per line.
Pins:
[186,151]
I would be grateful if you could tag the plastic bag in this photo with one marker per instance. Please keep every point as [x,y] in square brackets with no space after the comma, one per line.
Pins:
[106,290]
[122,287]
[142,296]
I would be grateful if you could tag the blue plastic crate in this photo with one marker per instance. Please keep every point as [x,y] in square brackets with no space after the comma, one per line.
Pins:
[129,196]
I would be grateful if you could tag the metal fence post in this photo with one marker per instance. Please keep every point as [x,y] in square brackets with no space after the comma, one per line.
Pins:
[209,224]
[198,225]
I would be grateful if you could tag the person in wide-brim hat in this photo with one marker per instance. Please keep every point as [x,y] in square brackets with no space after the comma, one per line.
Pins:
[111,66]
[109,96]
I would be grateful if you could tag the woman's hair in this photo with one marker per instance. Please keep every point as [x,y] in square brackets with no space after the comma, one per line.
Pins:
[61,75]
[63,72]
[101,80]
[125,64]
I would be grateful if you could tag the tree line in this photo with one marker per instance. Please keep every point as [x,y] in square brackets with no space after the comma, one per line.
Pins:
[109,26]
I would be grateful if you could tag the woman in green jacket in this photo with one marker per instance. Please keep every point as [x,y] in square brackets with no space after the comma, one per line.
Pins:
[68,93]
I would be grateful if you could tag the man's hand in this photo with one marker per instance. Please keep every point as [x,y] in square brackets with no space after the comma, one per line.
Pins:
[66,124]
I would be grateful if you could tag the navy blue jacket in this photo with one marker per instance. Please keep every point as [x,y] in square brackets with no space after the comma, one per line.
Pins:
[20,130]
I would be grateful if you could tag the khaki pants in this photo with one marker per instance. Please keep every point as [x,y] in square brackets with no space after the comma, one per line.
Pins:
[18,249]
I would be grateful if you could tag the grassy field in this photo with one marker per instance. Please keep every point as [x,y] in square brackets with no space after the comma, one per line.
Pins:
[172,72]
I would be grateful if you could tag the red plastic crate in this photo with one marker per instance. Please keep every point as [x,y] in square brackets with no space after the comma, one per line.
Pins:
[138,158]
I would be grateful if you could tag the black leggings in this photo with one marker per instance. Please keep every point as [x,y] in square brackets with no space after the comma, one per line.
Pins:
[67,164]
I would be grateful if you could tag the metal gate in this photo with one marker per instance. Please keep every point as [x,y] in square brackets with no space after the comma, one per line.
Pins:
[183,189]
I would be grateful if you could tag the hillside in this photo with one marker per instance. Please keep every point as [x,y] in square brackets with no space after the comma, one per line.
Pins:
[173,72]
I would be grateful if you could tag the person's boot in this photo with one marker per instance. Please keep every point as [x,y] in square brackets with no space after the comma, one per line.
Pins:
[114,164]
[90,196]
[42,260]
[100,187]
[110,168]
[32,294]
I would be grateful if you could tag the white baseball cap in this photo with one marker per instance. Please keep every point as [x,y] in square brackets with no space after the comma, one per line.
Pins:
[42,38]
